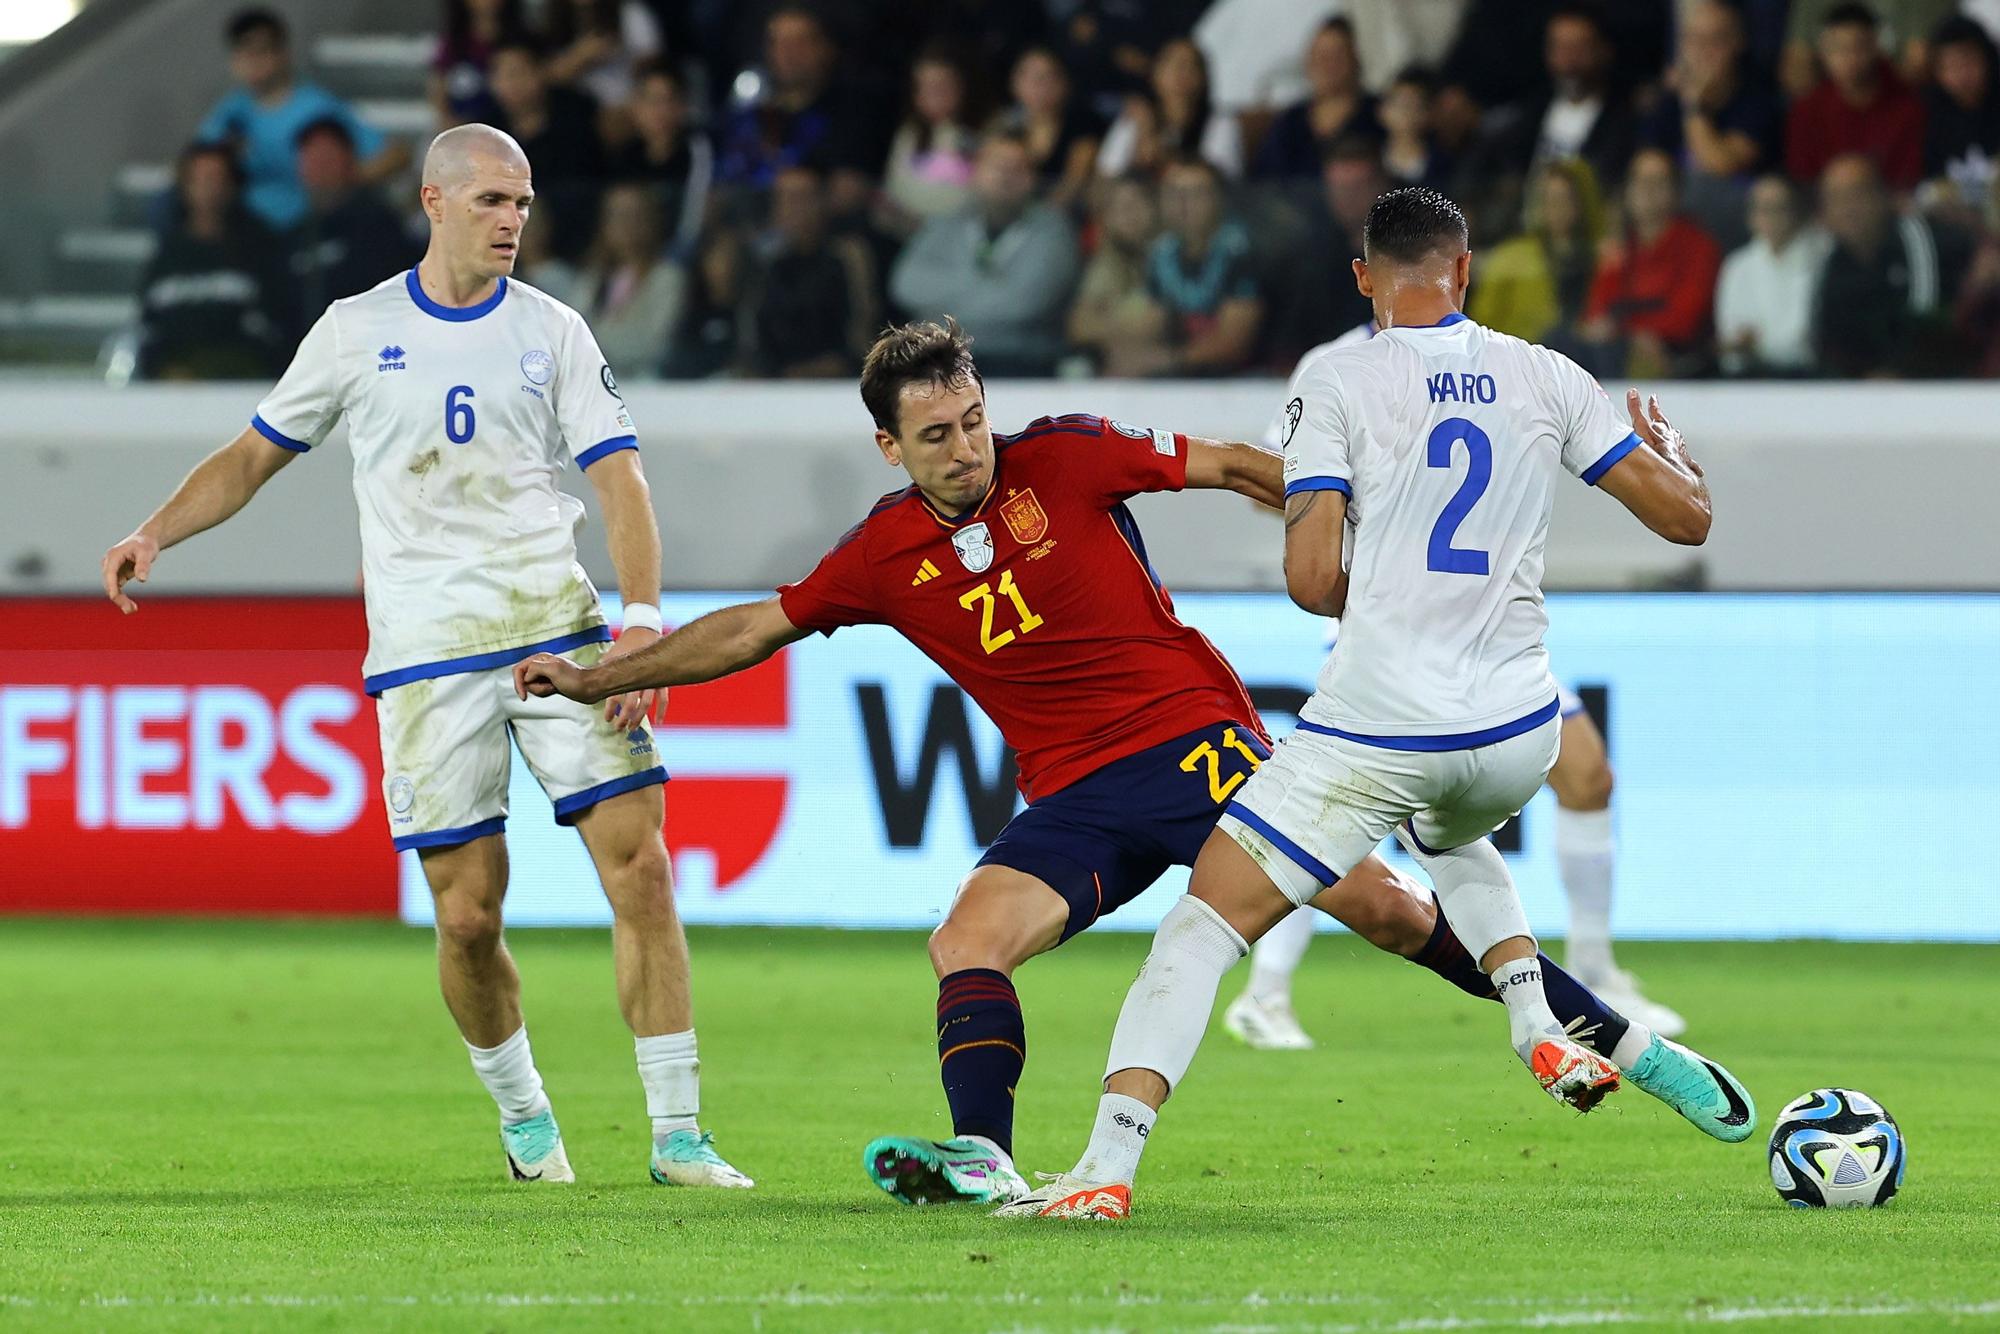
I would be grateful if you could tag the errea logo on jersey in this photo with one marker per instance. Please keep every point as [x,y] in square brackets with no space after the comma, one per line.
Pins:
[391,358]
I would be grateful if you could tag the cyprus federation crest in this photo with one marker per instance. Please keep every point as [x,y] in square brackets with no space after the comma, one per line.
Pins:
[974,545]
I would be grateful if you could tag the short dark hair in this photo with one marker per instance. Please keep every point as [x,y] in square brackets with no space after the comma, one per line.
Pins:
[1851,15]
[1583,11]
[1413,223]
[519,44]
[245,22]
[916,353]
[656,67]
[1353,146]
[332,125]
[194,152]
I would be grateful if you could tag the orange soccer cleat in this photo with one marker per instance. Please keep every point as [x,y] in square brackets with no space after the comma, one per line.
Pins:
[1572,1074]
[1063,1196]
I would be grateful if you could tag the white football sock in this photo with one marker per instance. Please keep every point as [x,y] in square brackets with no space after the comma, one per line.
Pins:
[1529,1019]
[509,1073]
[672,1076]
[1116,1141]
[1586,853]
[1166,1011]
[1277,955]
[1632,1046]
[1474,892]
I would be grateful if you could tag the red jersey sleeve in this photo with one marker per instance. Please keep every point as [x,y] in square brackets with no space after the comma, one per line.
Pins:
[1114,460]
[839,591]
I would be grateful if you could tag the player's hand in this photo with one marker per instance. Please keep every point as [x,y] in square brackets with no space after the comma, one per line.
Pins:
[131,559]
[1659,434]
[547,674]
[627,711]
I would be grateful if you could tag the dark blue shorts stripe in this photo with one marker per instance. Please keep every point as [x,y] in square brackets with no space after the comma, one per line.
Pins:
[1455,741]
[444,838]
[1308,863]
[576,803]
[479,662]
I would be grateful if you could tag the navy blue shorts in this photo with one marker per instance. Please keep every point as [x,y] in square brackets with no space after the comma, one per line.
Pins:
[1101,841]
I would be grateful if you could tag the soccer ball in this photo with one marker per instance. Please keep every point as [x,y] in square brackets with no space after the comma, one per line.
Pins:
[1835,1148]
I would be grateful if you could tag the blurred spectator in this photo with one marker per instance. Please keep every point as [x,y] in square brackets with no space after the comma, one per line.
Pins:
[1861,106]
[1906,28]
[1254,47]
[597,46]
[1411,154]
[557,129]
[666,153]
[212,299]
[930,159]
[1500,57]
[1174,119]
[810,309]
[802,116]
[1581,112]
[1535,285]
[1201,273]
[1718,115]
[1889,281]
[1319,299]
[1978,313]
[1962,114]
[1115,317]
[1412,34]
[1061,133]
[1004,267]
[472,30]
[260,119]
[1108,45]
[1764,301]
[1649,306]
[1337,105]
[349,239]
[629,293]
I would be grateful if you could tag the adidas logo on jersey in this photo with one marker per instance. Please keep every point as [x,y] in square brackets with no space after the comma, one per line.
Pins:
[392,359]
[925,573]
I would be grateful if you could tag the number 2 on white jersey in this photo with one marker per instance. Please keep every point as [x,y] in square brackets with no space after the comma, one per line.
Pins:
[1444,558]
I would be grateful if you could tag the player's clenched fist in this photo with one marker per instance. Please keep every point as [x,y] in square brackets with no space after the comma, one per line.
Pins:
[548,674]
[131,559]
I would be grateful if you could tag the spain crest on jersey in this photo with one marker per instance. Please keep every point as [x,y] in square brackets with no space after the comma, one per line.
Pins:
[1024,517]
[974,545]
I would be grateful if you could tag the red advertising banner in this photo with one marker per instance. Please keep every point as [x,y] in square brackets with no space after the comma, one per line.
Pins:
[206,755]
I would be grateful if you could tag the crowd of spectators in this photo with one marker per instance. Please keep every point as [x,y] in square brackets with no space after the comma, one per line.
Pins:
[1147,187]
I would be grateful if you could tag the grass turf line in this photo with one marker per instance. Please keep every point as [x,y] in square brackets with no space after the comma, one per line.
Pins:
[246,1124]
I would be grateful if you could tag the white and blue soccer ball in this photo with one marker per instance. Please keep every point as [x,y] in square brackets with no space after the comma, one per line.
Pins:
[1836,1149]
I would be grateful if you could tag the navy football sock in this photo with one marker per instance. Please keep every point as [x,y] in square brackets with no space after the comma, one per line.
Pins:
[982,1046]
[1601,1026]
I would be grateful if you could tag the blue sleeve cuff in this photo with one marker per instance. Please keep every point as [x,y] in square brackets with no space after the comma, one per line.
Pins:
[1298,484]
[1610,459]
[278,437]
[603,447]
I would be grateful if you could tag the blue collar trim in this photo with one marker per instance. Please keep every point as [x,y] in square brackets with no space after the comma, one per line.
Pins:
[456,314]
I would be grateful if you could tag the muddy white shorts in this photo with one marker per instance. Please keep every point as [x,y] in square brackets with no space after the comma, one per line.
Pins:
[446,754]
[1321,803]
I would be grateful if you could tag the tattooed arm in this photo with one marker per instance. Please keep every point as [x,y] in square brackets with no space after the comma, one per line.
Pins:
[1313,532]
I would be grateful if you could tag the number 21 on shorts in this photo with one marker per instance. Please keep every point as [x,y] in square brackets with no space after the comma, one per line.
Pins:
[1207,754]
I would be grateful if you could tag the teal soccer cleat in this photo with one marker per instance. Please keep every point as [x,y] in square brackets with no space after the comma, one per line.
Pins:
[1696,1087]
[953,1171]
[535,1150]
[685,1158]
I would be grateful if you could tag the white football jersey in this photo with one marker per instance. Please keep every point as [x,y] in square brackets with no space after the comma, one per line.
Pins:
[1446,440]
[460,419]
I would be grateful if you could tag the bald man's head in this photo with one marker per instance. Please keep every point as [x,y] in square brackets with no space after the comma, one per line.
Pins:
[476,193]
[449,162]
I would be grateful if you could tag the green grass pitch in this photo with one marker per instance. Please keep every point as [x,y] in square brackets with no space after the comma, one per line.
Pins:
[274,1126]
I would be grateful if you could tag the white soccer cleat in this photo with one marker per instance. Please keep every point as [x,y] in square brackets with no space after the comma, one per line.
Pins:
[1264,1025]
[688,1158]
[1620,990]
[534,1150]
[1572,1074]
[1063,1196]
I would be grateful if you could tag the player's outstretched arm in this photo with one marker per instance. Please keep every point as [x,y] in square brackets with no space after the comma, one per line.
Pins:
[1313,534]
[1224,465]
[633,535]
[714,645]
[220,485]
[1661,484]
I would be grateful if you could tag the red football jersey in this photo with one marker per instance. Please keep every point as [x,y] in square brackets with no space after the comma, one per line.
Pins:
[1039,601]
